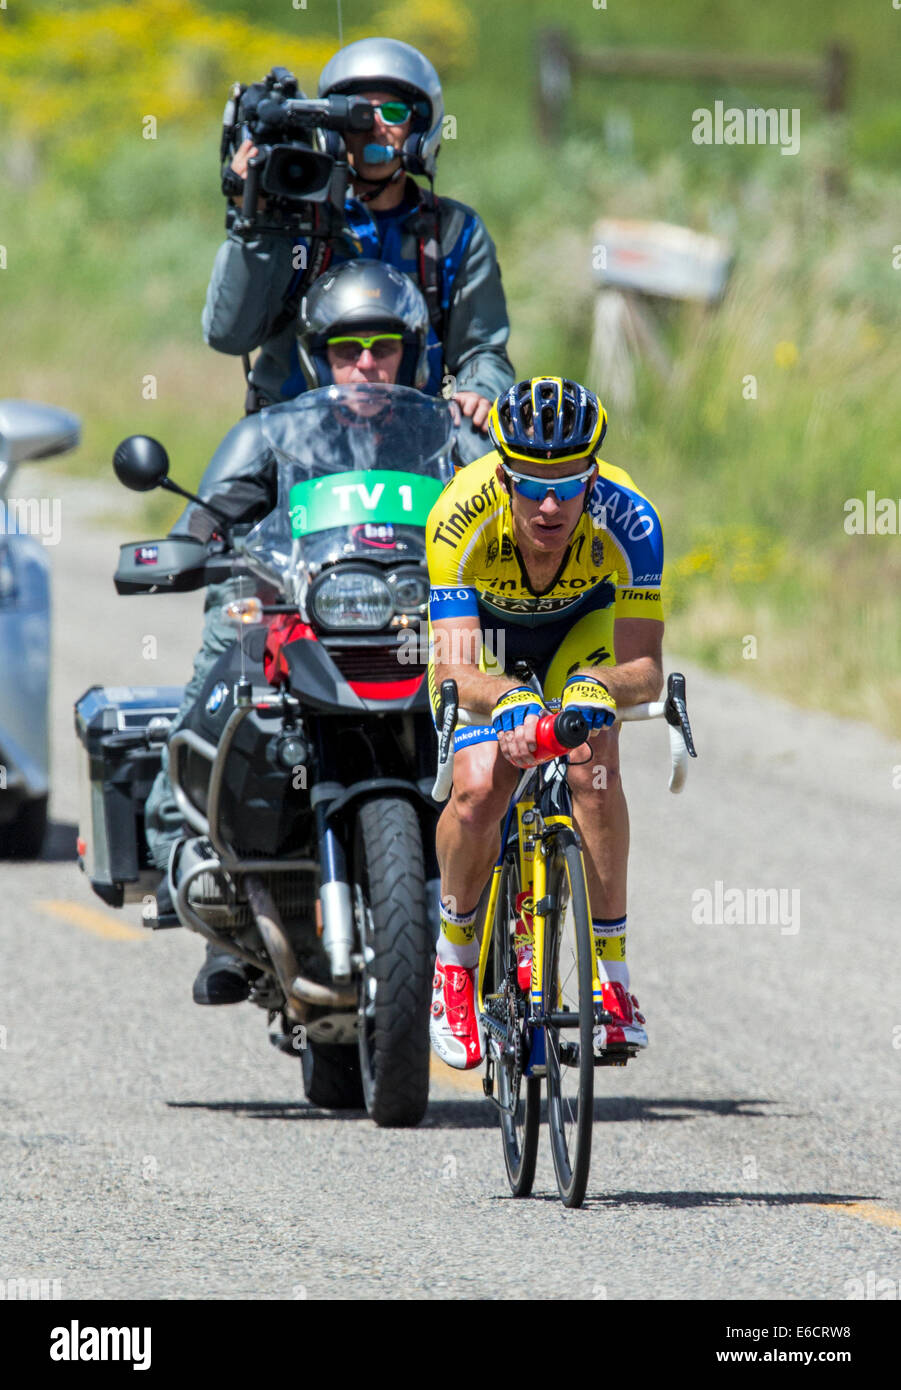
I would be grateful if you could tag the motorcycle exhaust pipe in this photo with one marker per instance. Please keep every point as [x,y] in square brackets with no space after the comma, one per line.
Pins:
[300,992]
[312,993]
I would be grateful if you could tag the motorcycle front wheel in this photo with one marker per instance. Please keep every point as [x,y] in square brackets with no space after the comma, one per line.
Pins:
[398,951]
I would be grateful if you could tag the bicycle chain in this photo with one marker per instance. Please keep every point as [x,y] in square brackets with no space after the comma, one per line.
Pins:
[514,1039]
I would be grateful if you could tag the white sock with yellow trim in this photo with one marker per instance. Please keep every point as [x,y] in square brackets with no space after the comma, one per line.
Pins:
[457,940]
[610,949]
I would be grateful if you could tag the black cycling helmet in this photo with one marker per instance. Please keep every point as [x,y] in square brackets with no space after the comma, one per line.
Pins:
[363,296]
[547,420]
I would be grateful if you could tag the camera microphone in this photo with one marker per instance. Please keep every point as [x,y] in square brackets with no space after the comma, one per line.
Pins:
[379,154]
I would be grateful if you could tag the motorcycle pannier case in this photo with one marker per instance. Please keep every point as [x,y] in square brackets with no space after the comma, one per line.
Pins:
[122,730]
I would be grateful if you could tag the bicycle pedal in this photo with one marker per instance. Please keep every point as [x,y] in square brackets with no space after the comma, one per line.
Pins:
[615,1056]
[488,1086]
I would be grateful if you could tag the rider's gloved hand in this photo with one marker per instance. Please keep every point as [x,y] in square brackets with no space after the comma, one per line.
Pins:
[514,708]
[592,699]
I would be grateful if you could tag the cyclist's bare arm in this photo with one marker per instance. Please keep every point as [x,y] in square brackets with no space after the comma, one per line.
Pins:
[457,645]
[638,673]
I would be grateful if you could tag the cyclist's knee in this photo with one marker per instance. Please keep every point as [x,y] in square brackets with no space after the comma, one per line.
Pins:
[479,805]
[482,786]
[596,780]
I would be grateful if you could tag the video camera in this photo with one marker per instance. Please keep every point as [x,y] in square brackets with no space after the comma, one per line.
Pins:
[297,164]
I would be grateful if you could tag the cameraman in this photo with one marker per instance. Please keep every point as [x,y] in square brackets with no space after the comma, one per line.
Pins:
[440,243]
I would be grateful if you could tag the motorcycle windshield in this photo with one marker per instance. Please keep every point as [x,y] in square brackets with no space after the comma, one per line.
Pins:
[359,469]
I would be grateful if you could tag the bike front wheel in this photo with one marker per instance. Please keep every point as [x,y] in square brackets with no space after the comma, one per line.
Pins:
[518,1096]
[567,984]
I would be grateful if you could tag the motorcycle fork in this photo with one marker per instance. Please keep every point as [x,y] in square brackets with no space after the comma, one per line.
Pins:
[335,897]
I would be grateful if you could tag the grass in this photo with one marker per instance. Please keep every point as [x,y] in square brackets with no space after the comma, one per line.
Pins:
[108,264]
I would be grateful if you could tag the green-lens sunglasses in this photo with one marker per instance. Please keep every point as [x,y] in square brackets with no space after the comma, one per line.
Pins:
[393,112]
[348,349]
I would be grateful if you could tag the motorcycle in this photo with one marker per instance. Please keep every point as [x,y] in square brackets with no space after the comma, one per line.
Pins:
[303,770]
[28,431]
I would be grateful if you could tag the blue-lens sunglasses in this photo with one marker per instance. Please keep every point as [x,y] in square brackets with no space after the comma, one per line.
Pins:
[536,489]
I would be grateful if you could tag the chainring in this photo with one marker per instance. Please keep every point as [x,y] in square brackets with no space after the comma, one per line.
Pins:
[513,1050]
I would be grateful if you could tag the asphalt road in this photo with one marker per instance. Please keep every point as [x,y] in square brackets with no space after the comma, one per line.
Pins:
[152,1149]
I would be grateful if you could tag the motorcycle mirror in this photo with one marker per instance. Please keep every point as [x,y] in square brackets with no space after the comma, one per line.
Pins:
[141,463]
[29,430]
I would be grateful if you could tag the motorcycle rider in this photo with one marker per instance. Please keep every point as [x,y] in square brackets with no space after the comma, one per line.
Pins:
[440,242]
[381,321]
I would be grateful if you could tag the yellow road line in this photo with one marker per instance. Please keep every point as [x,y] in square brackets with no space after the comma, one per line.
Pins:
[866,1211]
[77,915]
[460,1080]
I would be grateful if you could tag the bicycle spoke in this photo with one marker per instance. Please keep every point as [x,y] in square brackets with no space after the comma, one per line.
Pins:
[568,990]
[517,1097]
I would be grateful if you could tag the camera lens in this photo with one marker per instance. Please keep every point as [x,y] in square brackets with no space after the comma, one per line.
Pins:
[295,172]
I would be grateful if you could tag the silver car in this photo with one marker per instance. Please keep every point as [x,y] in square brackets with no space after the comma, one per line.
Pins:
[27,431]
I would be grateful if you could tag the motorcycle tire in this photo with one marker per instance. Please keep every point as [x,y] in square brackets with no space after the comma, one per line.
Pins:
[398,951]
[331,1076]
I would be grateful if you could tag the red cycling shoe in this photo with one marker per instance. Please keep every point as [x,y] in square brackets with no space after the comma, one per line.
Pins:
[454,1029]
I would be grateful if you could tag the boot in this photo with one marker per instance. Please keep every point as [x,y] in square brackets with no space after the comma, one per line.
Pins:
[222,979]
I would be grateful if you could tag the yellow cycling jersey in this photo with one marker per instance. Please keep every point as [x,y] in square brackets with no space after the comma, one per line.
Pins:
[614,557]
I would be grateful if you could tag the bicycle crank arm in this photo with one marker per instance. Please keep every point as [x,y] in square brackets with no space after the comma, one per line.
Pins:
[571,1020]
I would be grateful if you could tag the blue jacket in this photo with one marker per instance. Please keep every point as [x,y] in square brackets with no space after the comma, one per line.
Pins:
[251,281]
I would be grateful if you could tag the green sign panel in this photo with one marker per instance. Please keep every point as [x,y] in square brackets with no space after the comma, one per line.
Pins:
[344,499]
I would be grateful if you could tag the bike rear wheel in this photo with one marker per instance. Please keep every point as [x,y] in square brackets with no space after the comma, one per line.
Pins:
[518,1096]
[568,973]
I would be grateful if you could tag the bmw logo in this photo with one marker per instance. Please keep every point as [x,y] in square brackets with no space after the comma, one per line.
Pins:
[217,697]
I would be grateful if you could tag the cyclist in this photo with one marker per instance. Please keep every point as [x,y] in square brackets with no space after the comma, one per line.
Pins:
[542,549]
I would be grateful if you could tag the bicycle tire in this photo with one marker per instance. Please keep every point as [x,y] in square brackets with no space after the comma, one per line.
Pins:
[520,1114]
[567,984]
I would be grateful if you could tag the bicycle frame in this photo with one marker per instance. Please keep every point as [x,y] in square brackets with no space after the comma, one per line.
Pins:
[538,822]
[553,809]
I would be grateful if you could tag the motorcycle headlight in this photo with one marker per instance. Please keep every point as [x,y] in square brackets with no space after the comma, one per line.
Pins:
[351,598]
[411,590]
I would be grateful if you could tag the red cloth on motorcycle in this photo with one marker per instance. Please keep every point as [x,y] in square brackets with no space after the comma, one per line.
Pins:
[284,629]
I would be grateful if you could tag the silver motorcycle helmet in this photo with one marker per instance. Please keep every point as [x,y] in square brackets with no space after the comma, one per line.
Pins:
[363,296]
[390,65]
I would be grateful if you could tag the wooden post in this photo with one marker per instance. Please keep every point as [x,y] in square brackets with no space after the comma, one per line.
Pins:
[835,100]
[835,85]
[558,61]
[554,82]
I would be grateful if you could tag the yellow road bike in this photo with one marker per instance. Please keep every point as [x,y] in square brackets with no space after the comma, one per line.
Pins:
[557,1029]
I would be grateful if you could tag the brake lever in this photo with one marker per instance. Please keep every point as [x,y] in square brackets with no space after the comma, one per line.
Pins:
[675,710]
[447,718]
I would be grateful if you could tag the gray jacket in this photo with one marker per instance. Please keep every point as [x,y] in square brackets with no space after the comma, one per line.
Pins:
[252,280]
